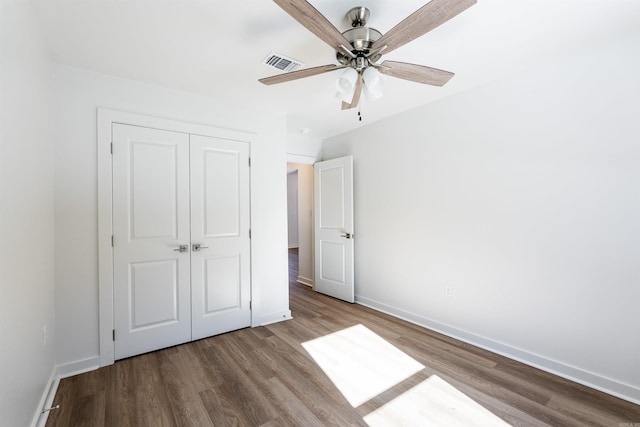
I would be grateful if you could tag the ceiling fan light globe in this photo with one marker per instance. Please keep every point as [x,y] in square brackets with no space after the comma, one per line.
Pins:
[371,95]
[346,84]
[373,84]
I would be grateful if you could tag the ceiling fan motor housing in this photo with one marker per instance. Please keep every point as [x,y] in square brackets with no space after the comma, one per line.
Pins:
[360,37]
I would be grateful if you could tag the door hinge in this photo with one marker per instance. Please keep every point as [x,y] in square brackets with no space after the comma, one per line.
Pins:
[250,305]
[112,244]
[112,148]
[249,233]
[113,334]
[249,161]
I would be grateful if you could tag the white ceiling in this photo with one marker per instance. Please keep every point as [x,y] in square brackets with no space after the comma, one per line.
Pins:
[215,47]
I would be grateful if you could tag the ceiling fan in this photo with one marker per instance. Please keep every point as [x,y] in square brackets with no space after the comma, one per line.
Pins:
[359,49]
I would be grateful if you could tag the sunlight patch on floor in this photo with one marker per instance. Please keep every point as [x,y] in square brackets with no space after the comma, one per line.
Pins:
[360,363]
[433,402]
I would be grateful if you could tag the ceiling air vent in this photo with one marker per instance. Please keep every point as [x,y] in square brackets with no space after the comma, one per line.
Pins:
[282,62]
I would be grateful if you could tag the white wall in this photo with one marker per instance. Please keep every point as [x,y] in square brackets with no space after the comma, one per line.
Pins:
[303,148]
[26,216]
[305,221]
[523,197]
[78,94]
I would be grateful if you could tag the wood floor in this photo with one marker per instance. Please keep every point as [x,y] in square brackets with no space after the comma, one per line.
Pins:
[265,377]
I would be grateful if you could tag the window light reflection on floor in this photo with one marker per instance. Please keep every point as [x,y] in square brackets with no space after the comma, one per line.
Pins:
[433,402]
[360,363]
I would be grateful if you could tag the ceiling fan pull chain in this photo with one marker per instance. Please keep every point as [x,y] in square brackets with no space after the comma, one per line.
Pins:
[359,115]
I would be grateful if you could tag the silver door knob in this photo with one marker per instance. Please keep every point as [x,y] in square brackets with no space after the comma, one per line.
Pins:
[347,235]
[197,246]
[182,249]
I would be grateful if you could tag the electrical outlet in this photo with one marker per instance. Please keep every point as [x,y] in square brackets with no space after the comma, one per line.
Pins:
[44,334]
[448,291]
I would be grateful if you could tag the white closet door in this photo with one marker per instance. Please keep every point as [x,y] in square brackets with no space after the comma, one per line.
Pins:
[152,302]
[220,257]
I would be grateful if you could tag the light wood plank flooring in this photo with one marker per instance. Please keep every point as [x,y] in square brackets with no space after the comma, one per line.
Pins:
[265,377]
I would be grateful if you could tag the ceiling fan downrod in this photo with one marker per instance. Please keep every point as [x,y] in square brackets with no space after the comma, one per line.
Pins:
[358,16]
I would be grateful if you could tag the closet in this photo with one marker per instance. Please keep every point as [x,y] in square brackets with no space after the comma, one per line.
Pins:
[181,237]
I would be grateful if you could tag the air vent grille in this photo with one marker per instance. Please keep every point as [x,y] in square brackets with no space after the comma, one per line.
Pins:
[281,62]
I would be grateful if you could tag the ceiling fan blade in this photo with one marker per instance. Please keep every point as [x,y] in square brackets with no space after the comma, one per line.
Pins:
[314,21]
[420,22]
[300,74]
[415,73]
[356,95]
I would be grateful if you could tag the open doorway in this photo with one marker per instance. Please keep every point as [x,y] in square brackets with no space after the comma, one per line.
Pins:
[292,208]
[292,225]
[300,222]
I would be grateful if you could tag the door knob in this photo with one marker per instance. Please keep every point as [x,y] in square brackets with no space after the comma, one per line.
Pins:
[198,246]
[347,235]
[182,249]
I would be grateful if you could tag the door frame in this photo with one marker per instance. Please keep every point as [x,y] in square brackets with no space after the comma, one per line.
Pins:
[105,119]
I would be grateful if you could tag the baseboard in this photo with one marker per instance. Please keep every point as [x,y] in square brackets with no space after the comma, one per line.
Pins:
[78,367]
[48,394]
[590,379]
[273,318]
[305,281]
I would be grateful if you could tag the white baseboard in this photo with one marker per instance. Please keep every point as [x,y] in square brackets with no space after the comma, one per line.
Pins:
[49,392]
[78,367]
[305,281]
[59,372]
[590,379]
[273,318]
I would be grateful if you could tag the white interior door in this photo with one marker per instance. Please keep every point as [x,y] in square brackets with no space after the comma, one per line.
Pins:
[152,302]
[334,228]
[220,257]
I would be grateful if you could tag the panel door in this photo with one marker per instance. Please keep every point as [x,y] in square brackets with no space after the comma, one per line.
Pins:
[152,307]
[221,248]
[334,227]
